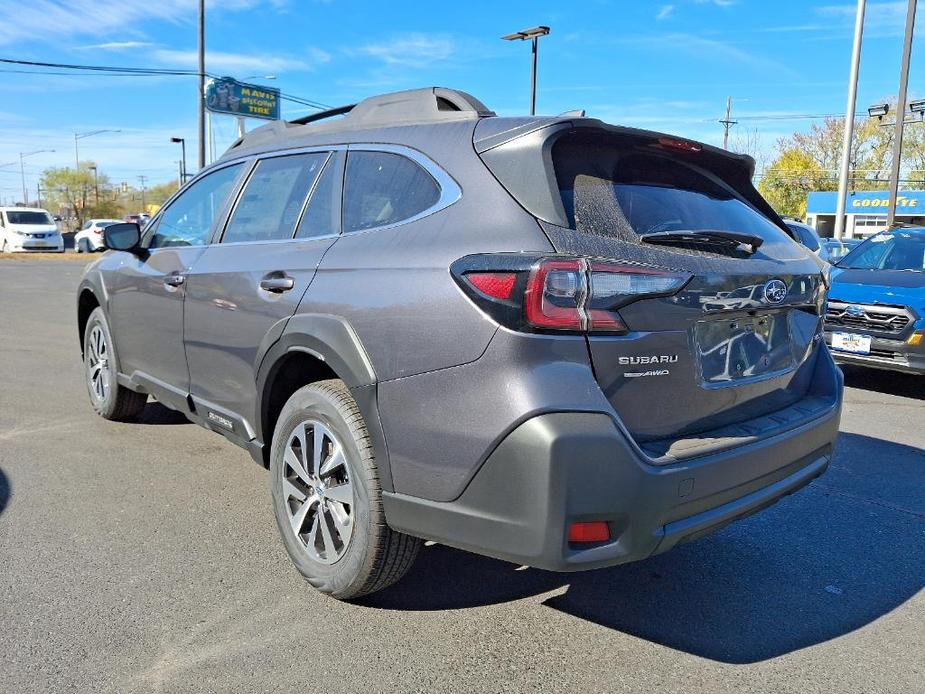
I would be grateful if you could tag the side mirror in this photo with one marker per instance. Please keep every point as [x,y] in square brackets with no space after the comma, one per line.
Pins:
[122,237]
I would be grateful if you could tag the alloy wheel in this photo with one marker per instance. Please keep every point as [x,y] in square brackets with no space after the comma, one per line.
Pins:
[99,372]
[318,491]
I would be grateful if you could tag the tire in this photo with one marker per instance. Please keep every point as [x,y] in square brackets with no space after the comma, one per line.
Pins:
[80,246]
[6,247]
[109,399]
[373,556]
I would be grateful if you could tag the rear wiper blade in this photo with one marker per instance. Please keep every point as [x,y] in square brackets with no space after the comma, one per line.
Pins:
[732,239]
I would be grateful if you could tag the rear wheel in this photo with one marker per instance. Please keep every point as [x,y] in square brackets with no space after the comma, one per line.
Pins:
[327,497]
[109,399]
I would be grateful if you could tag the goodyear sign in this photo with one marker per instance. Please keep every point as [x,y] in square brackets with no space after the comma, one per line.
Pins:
[869,202]
[227,95]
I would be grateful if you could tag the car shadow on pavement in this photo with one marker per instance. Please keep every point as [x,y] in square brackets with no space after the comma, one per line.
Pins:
[822,563]
[886,382]
[156,413]
[4,490]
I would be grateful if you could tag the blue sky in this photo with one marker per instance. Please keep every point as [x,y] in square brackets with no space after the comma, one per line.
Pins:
[664,65]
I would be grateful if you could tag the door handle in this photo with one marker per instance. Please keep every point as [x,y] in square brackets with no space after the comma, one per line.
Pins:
[277,283]
[174,280]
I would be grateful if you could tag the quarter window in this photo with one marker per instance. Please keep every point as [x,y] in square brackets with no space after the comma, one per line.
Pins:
[273,198]
[382,188]
[188,219]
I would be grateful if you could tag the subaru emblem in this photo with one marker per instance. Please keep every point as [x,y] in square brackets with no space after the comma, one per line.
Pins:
[854,311]
[775,291]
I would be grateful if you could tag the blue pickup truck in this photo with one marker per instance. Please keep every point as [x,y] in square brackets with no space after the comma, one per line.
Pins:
[876,307]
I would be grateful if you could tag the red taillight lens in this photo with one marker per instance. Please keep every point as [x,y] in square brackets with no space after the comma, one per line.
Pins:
[556,294]
[97,231]
[497,285]
[578,295]
[594,531]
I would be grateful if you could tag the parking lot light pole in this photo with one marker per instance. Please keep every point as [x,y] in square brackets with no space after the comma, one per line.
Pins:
[22,171]
[182,142]
[202,84]
[534,35]
[900,116]
[81,136]
[848,136]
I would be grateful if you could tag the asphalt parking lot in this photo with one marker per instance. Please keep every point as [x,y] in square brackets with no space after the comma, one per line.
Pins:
[144,557]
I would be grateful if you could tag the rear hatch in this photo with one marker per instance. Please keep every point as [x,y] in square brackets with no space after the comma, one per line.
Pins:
[737,343]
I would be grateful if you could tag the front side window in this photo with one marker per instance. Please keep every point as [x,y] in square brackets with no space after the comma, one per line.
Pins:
[273,198]
[188,219]
[382,188]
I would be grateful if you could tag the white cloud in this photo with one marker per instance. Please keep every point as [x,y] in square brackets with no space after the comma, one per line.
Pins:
[236,63]
[117,46]
[42,19]
[410,50]
[664,12]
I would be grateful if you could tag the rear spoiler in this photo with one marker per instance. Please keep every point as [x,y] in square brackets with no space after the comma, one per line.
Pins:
[521,157]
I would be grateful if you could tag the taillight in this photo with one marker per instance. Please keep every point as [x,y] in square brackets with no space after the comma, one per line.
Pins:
[561,294]
[585,295]
[97,231]
[497,285]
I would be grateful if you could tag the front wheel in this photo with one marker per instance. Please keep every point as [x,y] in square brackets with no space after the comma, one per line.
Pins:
[327,497]
[109,399]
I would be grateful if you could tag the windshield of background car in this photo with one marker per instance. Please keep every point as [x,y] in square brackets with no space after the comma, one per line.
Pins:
[625,193]
[889,250]
[29,218]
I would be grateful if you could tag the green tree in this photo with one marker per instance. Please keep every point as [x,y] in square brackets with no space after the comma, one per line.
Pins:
[158,194]
[788,179]
[84,193]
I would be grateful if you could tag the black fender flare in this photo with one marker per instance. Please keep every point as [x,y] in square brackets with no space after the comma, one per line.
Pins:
[331,340]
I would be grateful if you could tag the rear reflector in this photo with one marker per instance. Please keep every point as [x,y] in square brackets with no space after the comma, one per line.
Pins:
[594,531]
[497,285]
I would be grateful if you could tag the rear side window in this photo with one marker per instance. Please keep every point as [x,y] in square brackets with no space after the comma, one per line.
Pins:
[805,236]
[272,201]
[188,219]
[382,188]
[625,193]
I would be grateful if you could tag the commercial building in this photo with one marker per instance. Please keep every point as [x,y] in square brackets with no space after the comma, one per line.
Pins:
[865,211]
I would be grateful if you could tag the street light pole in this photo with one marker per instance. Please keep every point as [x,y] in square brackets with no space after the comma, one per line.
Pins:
[202,84]
[182,142]
[848,136]
[22,171]
[900,115]
[81,136]
[96,185]
[534,35]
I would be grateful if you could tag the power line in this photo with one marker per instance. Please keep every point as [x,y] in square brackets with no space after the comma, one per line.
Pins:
[117,71]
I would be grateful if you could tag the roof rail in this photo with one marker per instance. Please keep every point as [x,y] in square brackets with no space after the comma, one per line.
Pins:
[431,104]
[321,115]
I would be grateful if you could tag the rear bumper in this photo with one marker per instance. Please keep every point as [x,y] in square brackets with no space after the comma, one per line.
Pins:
[892,355]
[564,467]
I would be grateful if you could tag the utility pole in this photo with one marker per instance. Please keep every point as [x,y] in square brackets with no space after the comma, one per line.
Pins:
[845,164]
[143,179]
[727,123]
[900,115]
[202,83]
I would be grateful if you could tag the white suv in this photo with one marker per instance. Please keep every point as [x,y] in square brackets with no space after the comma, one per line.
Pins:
[28,229]
[90,237]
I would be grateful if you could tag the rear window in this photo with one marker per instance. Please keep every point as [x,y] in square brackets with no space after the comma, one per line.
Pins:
[625,193]
[17,217]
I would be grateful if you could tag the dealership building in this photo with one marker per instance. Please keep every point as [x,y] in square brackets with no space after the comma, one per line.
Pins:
[865,211]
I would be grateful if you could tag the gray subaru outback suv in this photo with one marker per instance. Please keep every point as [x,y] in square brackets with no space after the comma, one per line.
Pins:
[550,340]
